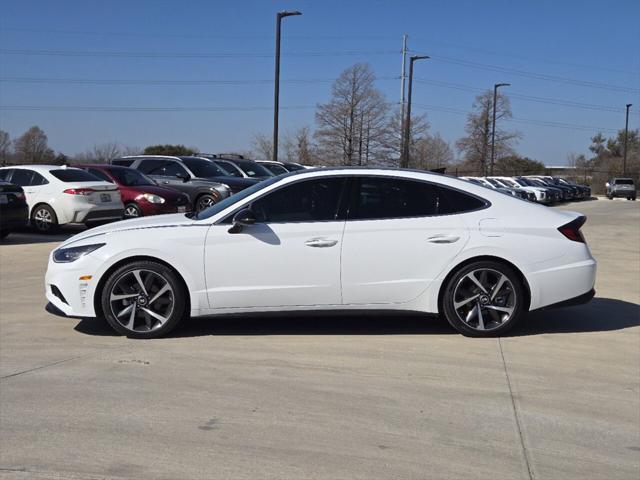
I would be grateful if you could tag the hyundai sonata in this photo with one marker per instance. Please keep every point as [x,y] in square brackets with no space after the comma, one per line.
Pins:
[331,239]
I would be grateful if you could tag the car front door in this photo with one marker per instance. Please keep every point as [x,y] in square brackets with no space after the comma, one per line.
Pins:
[396,242]
[289,257]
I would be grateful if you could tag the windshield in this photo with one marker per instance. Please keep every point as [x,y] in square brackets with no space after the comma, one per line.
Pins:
[227,202]
[493,182]
[509,183]
[275,168]
[203,168]
[253,169]
[130,177]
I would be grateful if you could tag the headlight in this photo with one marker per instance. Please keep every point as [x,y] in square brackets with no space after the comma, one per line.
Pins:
[71,254]
[150,197]
[223,185]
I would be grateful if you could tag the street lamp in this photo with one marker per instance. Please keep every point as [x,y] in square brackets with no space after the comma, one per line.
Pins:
[493,129]
[626,134]
[276,93]
[404,158]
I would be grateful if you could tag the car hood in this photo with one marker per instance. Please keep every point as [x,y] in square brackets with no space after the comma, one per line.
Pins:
[143,223]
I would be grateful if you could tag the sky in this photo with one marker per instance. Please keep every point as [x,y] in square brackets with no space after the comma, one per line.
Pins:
[208,66]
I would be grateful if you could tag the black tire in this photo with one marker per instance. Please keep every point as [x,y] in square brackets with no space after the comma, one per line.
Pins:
[460,287]
[44,219]
[4,234]
[204,201]
[171,305]
[132,210]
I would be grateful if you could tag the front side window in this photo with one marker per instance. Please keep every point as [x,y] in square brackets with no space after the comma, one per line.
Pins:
[229,169]
[314,200]
[378,198]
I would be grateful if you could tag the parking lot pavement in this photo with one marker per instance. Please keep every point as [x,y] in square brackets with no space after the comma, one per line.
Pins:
[327,397]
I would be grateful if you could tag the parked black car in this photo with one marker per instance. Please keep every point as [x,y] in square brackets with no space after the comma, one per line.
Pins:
[204,183]
[14,212]
[238,166]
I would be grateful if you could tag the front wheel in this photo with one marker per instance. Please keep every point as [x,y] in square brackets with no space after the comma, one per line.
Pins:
[143,299]
[483,299]
[204,201]
[131,210]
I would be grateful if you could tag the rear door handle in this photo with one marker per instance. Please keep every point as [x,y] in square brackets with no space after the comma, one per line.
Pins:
[443,238]
[320,242]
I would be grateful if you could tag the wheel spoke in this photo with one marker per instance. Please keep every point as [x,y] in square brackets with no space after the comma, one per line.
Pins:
[155,315]
[473,278]
[508,310]
[136,273]
[132,317]
[472,313]
[117,296]
[126,310]
[496,289]
[159,293]
[457,305]
[480,318]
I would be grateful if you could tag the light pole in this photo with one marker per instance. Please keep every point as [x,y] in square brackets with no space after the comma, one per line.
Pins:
[493,129]
[626,134]
[276,92]
[404,158]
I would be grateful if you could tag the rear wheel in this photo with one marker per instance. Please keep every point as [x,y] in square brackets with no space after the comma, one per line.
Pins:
[131,210]
[143,299]
[484,299]
[44,219]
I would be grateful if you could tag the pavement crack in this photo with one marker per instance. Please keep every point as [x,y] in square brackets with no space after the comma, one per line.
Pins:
[516,415]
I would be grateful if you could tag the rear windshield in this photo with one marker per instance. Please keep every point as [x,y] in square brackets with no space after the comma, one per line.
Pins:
[623,181]
[74,175]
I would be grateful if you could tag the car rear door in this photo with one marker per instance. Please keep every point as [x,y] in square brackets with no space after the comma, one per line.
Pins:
[289,257]
[395,241]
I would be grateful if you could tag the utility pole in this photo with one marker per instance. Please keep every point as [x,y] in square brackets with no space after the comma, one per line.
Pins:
[626,134]
[493,130]
[403,76]
[404,160]
[276,93]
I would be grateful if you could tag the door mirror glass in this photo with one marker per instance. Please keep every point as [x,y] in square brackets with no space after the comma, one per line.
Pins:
[182,176]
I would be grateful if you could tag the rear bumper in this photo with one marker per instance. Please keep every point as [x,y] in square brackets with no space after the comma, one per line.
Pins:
[622,193]
[562,283]
[572,302]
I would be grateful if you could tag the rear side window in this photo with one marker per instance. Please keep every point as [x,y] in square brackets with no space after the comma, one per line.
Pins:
[73,175]
[386,198]
[123,162]
[4,174]
[151,167]
[22,177]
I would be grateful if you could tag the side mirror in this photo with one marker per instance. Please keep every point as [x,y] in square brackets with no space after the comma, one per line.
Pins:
[244,218]
[183,176]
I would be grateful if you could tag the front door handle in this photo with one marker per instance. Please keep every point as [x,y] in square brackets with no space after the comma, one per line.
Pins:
[320,242]
[443,238]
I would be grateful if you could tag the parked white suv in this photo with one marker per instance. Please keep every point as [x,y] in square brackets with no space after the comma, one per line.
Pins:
[59,195]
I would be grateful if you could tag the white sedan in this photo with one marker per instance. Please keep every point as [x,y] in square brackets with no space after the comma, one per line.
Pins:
[331,239]
[59,195]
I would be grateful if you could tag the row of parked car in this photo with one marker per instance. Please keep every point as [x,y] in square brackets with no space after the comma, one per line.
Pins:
[536,188]
[47,196]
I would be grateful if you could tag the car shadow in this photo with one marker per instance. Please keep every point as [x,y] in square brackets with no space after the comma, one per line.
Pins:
[600,315]
[27,236]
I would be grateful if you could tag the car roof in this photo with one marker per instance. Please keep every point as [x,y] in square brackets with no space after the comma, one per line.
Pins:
[104,166]
[42,168]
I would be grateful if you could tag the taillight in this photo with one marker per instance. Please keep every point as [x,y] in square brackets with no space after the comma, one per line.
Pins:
[79,191]
[572,229]
[20,196]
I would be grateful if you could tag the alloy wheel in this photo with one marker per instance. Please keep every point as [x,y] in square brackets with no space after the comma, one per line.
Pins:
[131,211]
[205,202]
[141,300]
[484,299]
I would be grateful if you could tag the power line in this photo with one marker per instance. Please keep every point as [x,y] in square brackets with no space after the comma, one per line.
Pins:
[534,75]
[95,108]
[234,55]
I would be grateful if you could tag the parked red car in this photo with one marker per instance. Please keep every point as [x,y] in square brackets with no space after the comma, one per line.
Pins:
[141,195]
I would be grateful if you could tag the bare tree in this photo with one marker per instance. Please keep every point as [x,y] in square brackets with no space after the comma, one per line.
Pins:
[476,146]
[394,135]
[262,145]
[431,152]
[104,152]
[298,147]
[130,150]
[32,147]
[351,125]
[5,147]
